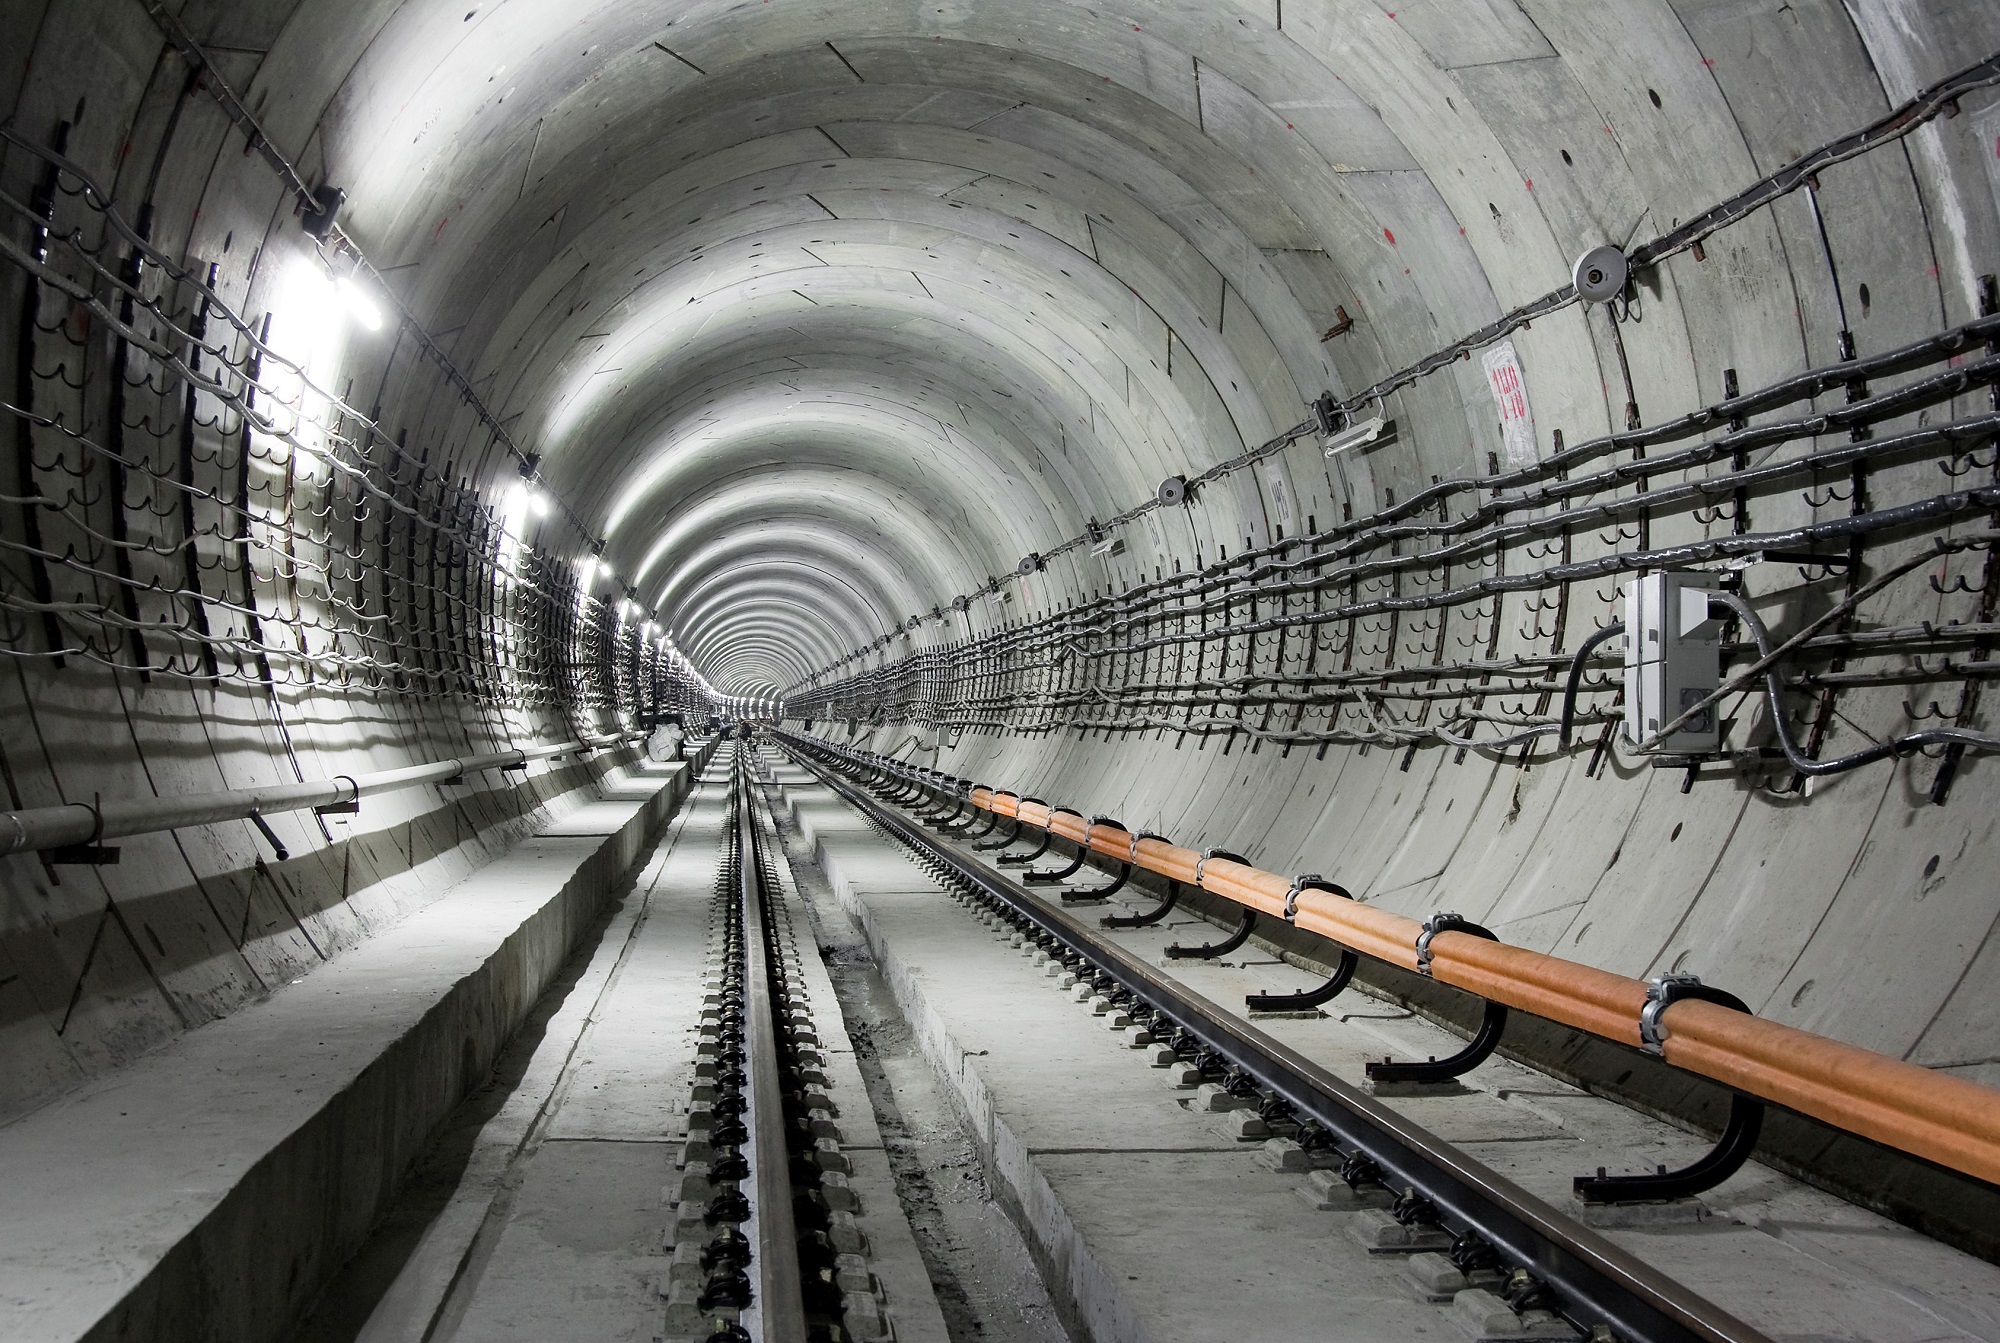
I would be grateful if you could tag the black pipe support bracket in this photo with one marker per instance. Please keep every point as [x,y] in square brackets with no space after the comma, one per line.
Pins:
[1048,838]
[1209,951]
[1739,1135]
[1492,1023]
[1308,999]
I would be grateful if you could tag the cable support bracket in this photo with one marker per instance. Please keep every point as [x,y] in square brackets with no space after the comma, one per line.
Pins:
[93,852]
[347,806]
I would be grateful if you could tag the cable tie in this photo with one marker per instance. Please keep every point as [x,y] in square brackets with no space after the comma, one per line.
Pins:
[1292,896]
[1207,854]
[1443,922]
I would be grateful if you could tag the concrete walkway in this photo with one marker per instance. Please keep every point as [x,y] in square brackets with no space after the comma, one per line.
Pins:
[209,1189]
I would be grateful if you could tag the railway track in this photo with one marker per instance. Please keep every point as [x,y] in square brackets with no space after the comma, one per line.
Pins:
[1544,1263]
[765,1249]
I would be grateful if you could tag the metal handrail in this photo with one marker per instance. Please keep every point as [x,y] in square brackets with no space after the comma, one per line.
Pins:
[45,829]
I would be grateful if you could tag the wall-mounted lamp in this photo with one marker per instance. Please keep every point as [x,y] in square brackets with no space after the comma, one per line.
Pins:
[1357,434]
[364,309]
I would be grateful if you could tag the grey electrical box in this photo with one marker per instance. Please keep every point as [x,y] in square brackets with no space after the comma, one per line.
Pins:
[1673,660]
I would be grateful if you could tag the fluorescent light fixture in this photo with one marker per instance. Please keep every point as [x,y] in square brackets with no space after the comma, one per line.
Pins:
[1358,434]
[366,311]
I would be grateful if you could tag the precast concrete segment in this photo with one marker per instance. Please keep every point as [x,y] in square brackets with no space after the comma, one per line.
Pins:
[209,1188]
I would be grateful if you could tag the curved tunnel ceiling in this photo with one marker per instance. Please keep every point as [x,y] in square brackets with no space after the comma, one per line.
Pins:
[824,314]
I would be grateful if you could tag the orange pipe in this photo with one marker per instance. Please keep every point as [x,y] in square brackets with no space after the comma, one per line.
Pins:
[1940,1118]
[1070,826]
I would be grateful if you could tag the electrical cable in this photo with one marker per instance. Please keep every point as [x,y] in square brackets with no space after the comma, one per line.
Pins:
[1907,744]
[1575,677]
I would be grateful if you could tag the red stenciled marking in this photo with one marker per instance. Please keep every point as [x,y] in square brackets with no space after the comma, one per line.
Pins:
[1507,390]
[1390,236]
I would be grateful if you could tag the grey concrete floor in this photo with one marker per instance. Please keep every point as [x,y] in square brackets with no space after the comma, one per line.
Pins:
[986,1282]
[538,1213]
[542,1209]
[1793,1261]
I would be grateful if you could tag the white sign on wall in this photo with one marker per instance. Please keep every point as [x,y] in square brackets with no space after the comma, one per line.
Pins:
[1510,395]
[1281,499]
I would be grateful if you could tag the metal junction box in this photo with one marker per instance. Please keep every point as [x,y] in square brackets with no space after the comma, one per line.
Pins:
[1673,659]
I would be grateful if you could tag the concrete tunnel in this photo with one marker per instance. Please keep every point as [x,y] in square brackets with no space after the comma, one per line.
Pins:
[823,669]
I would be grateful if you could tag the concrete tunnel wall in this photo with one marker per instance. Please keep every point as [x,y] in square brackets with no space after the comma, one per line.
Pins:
[823,315]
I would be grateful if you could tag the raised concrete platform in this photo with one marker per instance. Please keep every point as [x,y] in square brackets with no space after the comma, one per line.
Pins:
[210,1188]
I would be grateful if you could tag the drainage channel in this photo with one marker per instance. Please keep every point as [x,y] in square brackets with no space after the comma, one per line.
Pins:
[1550,1266]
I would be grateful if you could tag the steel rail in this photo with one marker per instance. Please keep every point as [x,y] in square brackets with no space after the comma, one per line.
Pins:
[1934,1116]
[777,1313]
[1598,1282]
[1937,1117]
[52,829]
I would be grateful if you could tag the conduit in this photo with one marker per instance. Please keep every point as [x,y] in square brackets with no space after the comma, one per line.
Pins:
[1927,1114]
[53,828]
